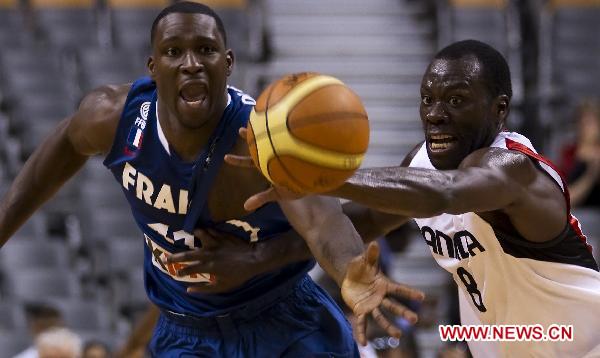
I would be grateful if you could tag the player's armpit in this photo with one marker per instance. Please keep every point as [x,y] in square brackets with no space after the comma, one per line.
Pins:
[370,223]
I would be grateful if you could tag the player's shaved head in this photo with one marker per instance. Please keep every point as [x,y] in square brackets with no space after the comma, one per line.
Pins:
[188,7]
[496,72]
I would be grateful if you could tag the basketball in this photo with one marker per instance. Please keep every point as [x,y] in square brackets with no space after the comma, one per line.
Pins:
[308,132]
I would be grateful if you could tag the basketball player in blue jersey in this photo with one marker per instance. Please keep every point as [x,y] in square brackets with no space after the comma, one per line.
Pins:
[494,213]
[165,137]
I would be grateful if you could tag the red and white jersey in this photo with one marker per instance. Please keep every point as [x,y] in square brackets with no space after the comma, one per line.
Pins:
[505,280]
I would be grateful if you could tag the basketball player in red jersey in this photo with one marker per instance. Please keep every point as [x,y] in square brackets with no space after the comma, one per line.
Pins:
[494,212]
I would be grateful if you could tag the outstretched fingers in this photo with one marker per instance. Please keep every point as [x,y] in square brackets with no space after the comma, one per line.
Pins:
[372,254]
[257,200]
[401,290]
[400,310]
[385,324]
[243,161]
[360,329]
[243,132]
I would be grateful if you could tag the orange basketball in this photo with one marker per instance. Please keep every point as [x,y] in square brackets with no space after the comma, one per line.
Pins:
[308,132]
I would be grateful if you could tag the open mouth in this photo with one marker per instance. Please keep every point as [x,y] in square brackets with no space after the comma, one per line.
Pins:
[193,93]
[441,141]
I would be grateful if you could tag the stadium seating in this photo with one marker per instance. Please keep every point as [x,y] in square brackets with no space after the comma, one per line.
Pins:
[131,24]
[31,284]
[99,67]
[66,24]
[35,228]
[33,254]
[569,70]
[83,315]
[113,261]
[575,32]
[385,46]
[13,25]
[12,317]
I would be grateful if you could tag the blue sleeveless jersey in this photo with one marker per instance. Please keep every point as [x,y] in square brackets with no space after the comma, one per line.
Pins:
[168,199]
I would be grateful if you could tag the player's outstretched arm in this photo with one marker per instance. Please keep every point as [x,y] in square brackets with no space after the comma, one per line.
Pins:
[87,132]
[489,179]
[339,250]
[328,233]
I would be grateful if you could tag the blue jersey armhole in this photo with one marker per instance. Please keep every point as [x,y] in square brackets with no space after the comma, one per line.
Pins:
[138,87]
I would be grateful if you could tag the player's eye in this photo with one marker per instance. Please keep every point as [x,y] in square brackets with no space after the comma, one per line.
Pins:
[172,51]
[426,100]
[455,101]
[208,49]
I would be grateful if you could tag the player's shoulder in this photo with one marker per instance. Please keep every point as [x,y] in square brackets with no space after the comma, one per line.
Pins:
[92,128]
[107,98]
[240,99]
[513,163]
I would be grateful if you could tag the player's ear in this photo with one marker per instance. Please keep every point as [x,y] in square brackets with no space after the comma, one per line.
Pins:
[502,107]
[150,65]
[502,104]
[229,60]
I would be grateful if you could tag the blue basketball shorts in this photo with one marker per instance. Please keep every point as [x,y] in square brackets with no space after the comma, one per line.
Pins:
[294,320]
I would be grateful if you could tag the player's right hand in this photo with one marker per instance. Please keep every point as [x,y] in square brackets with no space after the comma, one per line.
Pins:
[367,291]
[274,193]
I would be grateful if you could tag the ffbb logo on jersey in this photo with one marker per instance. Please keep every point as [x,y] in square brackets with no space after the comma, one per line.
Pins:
[136,132]
[460,246]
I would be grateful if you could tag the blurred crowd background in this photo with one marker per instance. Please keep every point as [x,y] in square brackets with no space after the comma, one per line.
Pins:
[77,263]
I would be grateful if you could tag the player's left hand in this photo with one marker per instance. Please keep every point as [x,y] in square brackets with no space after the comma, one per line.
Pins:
[218,254]
[366,291]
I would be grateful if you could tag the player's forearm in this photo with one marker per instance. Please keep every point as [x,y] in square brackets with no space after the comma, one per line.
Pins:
[372,224]
[334,242]
[402,191]
[285,249]
[290,247]
[53,163]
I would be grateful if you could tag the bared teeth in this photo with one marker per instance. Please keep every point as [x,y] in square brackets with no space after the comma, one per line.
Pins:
[440,145]
[441,136]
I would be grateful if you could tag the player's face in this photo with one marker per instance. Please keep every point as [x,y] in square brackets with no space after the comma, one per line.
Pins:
[456,110]
[190,66]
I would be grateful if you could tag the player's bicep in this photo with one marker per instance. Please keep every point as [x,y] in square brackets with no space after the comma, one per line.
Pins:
[490,180]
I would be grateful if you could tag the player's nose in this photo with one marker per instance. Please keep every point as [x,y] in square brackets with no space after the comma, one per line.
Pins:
[191,63]
[436,113]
